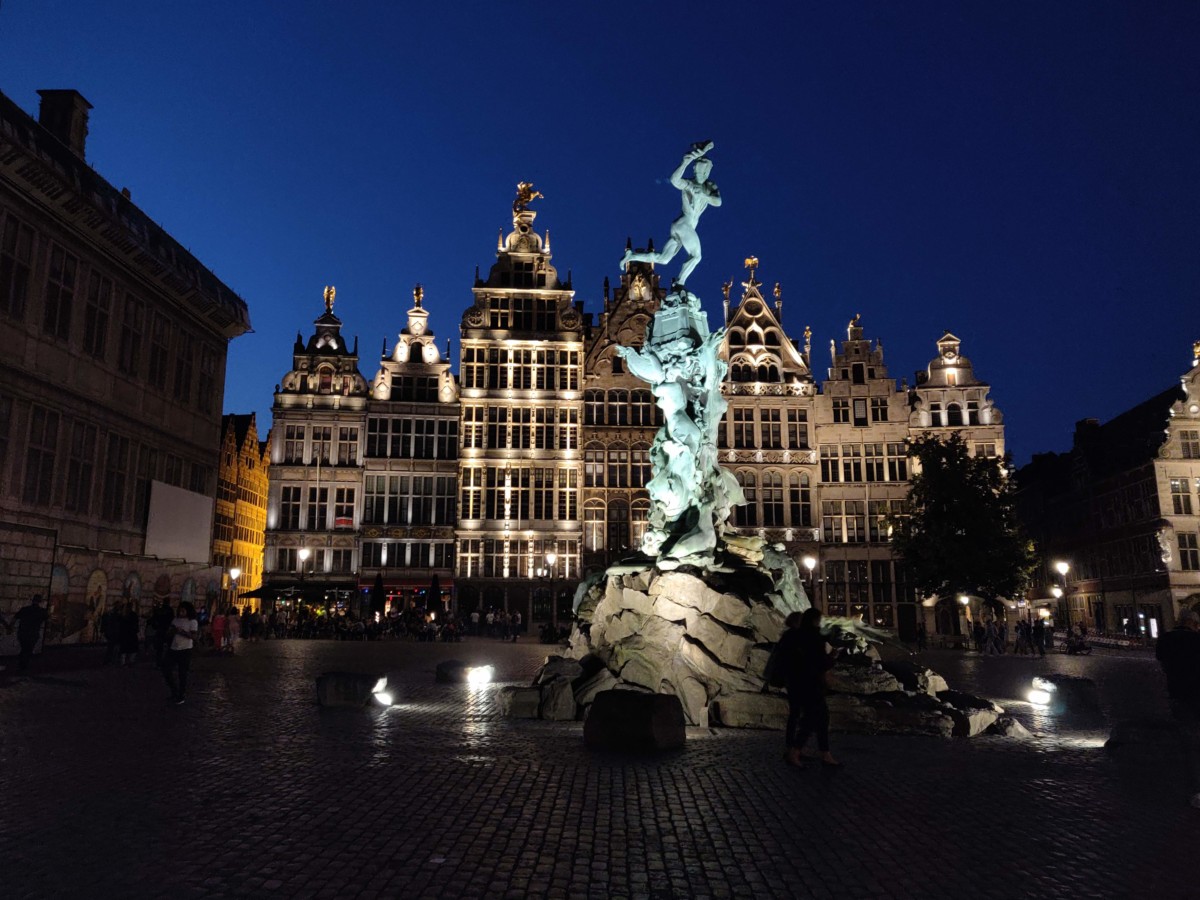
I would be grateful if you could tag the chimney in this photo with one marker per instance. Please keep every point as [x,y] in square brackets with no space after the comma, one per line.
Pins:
[64,114]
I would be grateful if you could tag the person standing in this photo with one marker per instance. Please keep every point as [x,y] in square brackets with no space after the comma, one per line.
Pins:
[184,632]
[1039,636]
[1178,652]
[217,630]
[922,637]
[30,620]
[161,618]
[804,658]
[110,627]
[127,630]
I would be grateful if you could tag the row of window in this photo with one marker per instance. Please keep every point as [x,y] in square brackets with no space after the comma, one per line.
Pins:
[520,428]
[409,500]
[1181,495]
[764,428]
[523,493]
[1189,444]
[79,302]
[875,462]
[620,407]
[518,558]
[616,466]
[538,314]
[304,444]
[408,554]
[409,438]
[311,511]
[74,464]
[520,368]
[615,526]
[320,561]
[854,410]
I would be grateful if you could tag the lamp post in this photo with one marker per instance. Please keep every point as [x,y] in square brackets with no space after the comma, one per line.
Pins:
[234,574]
[304,554]
[551,559]
[1062,567]
[810,563]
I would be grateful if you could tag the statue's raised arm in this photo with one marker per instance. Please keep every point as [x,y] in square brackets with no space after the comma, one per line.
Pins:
[698,193]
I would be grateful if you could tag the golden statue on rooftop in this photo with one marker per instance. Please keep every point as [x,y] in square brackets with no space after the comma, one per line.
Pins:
[330,295]
[525,195]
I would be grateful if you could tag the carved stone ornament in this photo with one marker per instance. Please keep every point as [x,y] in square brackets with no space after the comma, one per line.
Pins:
[473,317]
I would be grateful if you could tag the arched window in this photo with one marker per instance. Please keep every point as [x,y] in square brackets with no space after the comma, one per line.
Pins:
[593,408]
[639,465]
[773,373]
[954,416]
[747,516]
[742,373]
[593,526]
[771,338]
[763,373]
[737,338]
[618,466]
[618,526]
[618,407]
[593,464]
[325,380]
[641,520]
[799,500]
[772,499]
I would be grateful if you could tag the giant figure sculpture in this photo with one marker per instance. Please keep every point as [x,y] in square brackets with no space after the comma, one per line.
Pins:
[691,496]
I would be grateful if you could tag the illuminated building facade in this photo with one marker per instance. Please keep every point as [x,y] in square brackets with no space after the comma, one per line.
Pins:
[1122,510]
[520,465]
[314,500]
[111,384]
[240,519]
[410,469]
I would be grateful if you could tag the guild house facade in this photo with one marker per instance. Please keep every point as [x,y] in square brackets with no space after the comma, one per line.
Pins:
[528,471]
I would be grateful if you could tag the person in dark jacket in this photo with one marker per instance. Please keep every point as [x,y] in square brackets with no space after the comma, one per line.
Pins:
[1178,653]
[29,621]
[127,629]
[804,659]
[161,619]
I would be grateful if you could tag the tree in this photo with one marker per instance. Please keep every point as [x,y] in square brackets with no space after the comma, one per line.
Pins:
[961,534]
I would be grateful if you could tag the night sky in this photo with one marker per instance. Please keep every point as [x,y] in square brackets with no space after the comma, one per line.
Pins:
[1022,174]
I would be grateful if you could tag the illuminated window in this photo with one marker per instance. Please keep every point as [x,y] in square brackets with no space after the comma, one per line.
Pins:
[772,499]
[799,501]
[593,526]
[1181,496]
[1189,442]
[1189,553]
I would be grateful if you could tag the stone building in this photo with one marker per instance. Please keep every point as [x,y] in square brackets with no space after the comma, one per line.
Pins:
[111,384]
[553,438]
[620,419]
[314,498]
[241,509]
[1121,510]
[410,469]
[520,466]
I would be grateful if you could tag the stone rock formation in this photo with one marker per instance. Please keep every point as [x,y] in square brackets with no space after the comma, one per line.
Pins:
[705,638]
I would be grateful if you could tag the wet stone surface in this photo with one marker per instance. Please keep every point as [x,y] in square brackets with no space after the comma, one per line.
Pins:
[251,789]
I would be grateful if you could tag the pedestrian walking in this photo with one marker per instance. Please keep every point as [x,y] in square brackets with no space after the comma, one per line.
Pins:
[804,658]
[127,630]
[1178,653]
[217,630]
[922,637]
[30,621]
[184,632]
[1039,637]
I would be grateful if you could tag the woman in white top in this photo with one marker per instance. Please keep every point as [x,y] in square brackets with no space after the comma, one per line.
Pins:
[184,632]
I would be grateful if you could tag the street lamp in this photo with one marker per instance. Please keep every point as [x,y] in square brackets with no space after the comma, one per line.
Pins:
[551,559]
[234,574]
[810,563]
[1062,567]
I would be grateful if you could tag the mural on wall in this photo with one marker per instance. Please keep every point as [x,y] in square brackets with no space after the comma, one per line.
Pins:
[187,593]
[96,601]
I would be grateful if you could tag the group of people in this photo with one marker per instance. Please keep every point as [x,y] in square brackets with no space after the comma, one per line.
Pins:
[1031,638]
[496,623]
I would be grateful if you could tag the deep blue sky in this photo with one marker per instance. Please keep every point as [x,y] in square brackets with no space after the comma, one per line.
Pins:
[1023,174]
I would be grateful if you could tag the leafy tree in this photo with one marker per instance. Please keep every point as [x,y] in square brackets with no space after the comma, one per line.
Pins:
[961,534]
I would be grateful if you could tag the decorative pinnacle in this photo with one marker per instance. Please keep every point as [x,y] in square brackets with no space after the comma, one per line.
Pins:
[418,294]
[330,296]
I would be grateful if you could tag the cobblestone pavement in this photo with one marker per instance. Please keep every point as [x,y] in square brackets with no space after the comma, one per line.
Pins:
[250,789]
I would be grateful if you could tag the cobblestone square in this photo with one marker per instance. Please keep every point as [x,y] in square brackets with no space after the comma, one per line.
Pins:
[251,789]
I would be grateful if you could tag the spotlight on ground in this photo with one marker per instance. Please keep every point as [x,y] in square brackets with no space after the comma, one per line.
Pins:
[383,698]
[477,675]
[1042,692]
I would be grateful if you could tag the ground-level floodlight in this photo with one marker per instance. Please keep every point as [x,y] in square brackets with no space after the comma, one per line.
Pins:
[480,675]
[1042,692]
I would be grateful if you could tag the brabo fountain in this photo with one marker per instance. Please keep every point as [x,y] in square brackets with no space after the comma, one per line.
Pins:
[695,612]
